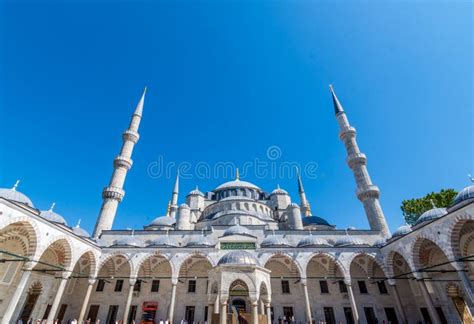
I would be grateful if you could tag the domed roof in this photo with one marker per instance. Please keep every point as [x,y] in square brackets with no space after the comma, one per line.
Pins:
[163,221]
[128,241]
[237,184]
[238,257]
[379,243]
[80,231]
[347,241]
[164,241]
[195,192]
[13,194]
[314,220]
[236,229]
[465,194]
[275,241]
[402,230]
[52,216]
[313,241]
[200,241]
[431,215]
[279,191]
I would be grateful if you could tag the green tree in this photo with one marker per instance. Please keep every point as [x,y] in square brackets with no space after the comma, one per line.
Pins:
[413,208]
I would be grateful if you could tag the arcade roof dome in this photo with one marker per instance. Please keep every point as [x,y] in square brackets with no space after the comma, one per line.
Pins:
[465,194]
[238,257]
[13,194]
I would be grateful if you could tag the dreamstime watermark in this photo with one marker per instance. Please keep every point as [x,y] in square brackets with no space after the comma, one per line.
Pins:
[272,166]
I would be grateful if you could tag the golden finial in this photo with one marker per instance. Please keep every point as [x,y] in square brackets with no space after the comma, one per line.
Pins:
[237,175]
[307,213]
[168,210]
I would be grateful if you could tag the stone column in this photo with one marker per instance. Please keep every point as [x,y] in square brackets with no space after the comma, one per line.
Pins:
[223,317]
[262,307]
[306,301]
[429,302]
[25,276]
[269,313]
[82,314]
[398,302]
[210,312]
[216,305]
[172,301]
[129,300]
[355,313]
[466,284]
[255,312]
[57,298]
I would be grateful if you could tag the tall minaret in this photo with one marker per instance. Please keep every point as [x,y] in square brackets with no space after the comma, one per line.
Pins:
[304,204]
[367,192]
[113,194]
[174,198]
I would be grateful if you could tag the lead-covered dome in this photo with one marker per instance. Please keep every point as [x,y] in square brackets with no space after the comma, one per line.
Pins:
[15,195]
[379,243]
[196,192]
[275,241]
[238,257]
[236,230]
[401,231]
[128,241]
[313,241]
[237,184]
[80,231]
[465,194]
[348,241]
[314,220]
[431,214]
[163,221]
[279,191]
[53,216]
[164,241]
[200,241]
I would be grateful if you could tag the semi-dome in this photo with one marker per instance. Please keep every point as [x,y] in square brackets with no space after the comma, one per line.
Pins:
[163,221]
[196,192]
[80,231]
[348,241]
[313,241]
[275,241]
[431,215]
[465,194]
[53,216]
[237,184]
[200,241]
[236,230]
[314,220]
[238,257]
[279,191]
[13,194]
[164,241]
[402,230]
[128,241]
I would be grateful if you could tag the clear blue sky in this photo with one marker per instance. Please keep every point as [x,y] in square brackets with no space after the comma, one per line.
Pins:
[226,80]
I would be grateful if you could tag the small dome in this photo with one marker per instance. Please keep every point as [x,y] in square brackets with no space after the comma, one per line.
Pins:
[237,184]
[238,257]
[101,242]
[13,194]
[200,241]
[348,241]
[431,215]
[379,243]
[275,241]
[314,220]
[313,241]
[184,206]
[163,221]
[128,241]
[465,194]
[52,216]
[196,192]
[80,231]
[164,241]
[294,205]
[279,191]
[402,230]
[236,230]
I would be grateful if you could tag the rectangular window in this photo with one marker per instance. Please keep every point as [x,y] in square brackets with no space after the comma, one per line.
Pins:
[348,315]
[138,286]
[288,314]
[285,286]
[100,285]
[342,286]
[189,314]
[370,315]
[155,286]
[112,314]
[93,311]
[329,315]
[391,315]
[382,287]
[191,286]
[362,287]
[441,316]
[132,314]
[118,285]
[323,284]
[206,310]
[425,314]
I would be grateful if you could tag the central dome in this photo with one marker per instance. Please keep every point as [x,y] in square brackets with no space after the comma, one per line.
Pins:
[237,184]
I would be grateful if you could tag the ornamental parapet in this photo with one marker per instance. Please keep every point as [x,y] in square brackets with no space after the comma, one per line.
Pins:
[347,132]
[130,135]
[368,192]
[123,161]
[356,159]
[113,193]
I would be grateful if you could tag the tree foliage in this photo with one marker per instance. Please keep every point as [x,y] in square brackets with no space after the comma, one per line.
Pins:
[413,208]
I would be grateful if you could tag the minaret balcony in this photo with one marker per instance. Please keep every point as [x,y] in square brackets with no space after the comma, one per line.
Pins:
[347,132]
[356,159]
[371,191]
[113,193]
[130,135]
[123,161]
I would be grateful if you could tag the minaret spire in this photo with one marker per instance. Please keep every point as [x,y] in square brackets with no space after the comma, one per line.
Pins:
[367,192]
[304,204]
[113,194]
[174,197]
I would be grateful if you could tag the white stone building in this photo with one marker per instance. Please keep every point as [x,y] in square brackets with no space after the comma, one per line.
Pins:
[237,253]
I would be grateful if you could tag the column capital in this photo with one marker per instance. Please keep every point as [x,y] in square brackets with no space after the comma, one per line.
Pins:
[29,265]
[304,281]
[348,282]
[133,281]
[91,281]
[64,275]
[391,282]
[174,281]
